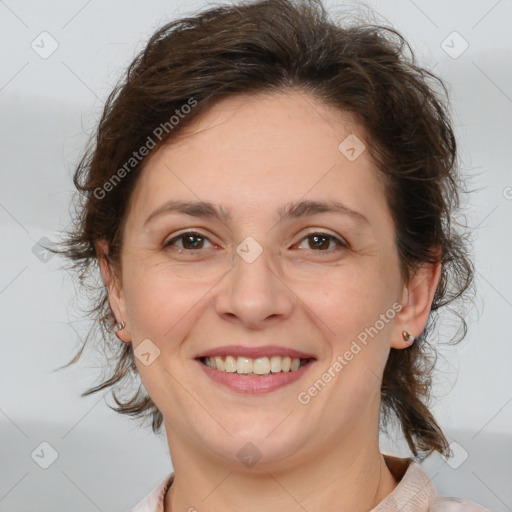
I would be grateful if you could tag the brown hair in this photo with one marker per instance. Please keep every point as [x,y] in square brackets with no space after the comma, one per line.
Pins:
[278,46]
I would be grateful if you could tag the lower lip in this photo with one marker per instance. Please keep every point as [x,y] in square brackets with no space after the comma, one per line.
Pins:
[254,385]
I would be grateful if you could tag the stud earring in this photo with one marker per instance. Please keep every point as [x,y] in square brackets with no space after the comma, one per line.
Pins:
[120,326]
[408,338]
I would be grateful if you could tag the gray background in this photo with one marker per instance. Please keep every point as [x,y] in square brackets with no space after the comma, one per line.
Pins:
[49,105]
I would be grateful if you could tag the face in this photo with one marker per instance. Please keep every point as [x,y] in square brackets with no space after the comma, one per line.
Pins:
[268,269]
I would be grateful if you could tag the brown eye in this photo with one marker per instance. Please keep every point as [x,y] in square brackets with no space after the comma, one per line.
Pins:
[321,242]
[189,241]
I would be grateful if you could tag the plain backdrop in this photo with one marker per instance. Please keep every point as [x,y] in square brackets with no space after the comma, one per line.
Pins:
[51,102]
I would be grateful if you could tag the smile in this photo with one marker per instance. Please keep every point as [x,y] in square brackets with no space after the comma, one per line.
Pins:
[254,367]
[241,375]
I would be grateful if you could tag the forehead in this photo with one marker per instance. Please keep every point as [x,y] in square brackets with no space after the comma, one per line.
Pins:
[260,151]
[272,121]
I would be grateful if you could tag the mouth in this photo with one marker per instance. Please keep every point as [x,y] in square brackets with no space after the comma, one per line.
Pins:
[255,367]
[254,375]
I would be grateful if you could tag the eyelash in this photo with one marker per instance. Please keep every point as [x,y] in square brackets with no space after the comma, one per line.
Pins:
[339,242]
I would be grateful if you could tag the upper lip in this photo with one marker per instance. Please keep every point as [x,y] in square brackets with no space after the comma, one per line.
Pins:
[254,352]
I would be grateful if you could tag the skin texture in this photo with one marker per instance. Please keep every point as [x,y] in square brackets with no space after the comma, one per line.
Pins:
[253,155]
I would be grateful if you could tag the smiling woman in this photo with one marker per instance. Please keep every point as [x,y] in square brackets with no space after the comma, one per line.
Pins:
[275,258]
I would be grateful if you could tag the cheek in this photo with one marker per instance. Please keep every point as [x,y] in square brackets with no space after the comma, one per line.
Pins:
[158,305]
[356,312]
[351,296]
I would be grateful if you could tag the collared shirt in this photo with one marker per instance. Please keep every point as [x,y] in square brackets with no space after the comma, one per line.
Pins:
[414,493]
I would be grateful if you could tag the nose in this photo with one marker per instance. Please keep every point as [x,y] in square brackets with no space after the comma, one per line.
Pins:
[253,294]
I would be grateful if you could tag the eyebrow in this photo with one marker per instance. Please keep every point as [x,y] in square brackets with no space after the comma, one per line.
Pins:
[291,210]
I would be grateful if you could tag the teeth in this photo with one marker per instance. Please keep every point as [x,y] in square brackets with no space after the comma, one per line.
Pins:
[229,364]
[219,363]
[243,365]
[275,364]
[259,366]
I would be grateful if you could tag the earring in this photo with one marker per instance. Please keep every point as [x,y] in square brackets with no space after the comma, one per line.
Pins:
[119,327]
[408,338]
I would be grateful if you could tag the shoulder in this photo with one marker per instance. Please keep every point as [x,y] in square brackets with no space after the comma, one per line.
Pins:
[442,504]
[154,501]
[415,492]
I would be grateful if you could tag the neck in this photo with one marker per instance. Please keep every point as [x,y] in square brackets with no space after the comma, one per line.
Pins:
[347,477]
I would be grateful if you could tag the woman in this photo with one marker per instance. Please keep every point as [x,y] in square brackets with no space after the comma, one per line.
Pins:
[269,200]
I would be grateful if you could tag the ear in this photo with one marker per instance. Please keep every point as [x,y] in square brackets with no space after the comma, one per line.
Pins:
[416,301]
[114,289]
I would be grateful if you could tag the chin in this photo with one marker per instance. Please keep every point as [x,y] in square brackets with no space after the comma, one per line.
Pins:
[257,445]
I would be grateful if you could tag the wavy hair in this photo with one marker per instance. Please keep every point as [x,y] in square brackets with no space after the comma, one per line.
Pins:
[365,69]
